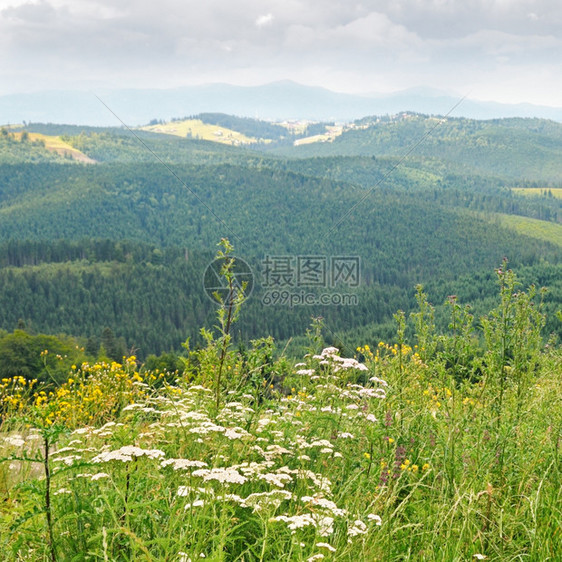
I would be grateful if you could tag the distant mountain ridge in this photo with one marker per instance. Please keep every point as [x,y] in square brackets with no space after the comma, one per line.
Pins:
[275,101]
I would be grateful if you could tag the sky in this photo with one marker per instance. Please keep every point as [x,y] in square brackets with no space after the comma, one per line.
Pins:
[503,50]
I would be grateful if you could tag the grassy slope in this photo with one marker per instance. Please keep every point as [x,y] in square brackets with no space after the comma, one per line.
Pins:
[57,145]
[195,128]
[542,230]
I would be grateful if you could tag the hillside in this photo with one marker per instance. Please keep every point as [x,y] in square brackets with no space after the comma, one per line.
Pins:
[522,149]
[438,215]
[419,448]
[23,146]
[197,129]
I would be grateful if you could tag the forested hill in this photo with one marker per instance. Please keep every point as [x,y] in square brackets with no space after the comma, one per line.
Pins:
[123,244]
[518,149]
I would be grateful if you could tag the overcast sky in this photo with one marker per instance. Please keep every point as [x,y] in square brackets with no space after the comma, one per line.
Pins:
[503,50]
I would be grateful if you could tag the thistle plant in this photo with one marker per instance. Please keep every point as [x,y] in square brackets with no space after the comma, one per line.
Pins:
[513,337]
[425,325]
[229,308]
[513,342]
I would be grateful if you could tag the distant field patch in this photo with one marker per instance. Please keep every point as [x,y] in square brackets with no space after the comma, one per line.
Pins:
[196,129]
[539,191]
[56,144]
[535,228]
[330,134]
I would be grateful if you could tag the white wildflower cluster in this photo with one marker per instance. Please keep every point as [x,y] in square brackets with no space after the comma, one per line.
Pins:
[346,435]
[295,522]
[196,503]
[305,372]
[264,455]
[183,464]
[99,476]
[106,430]
[141,408]
[262,501]
[318,502]
[323,445]
[197,388]
[273,451]
[329,356]
[376,518]
[358,392]
[257,501]
[226,475]
[67,449]
[250,469]
[330,410]
[207,427]
[127,454]
[236,433]
[14,440]
[357,528]
[323,524]
[235,412]
[325,545]
[68,460]
[278,479]
[322,483]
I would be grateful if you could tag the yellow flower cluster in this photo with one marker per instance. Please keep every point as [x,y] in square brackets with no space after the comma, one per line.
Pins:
[96,393]
[366,352]
[409,467]
[92,394]
[385,349]
[14,393]
[437,395]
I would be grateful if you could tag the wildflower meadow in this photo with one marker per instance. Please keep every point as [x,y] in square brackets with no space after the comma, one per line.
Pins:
[439,445]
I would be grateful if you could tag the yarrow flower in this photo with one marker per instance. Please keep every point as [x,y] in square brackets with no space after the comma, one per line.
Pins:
[99,476]
[327,546]
[127,453]
[358,528]
[324,524]
[196,503]
[183,464]
[223,475]
[296,521]
[14,441]
[329,356]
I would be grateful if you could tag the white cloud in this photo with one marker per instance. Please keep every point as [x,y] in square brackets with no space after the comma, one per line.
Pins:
[265,20]
[362,45]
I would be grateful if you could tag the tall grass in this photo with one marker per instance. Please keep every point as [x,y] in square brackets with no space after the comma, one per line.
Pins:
[444,448]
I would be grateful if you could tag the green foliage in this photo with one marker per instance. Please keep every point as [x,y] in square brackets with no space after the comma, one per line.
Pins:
[42,357]
[513,339]
[392,458]
[17,150]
